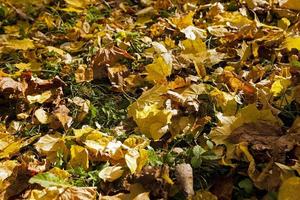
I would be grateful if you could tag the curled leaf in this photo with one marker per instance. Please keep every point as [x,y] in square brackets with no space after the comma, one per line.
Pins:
[111,173]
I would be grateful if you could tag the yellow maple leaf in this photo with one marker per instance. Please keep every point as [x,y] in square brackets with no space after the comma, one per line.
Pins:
[158,70]
[280,85]
[290,4]
[39,98]
[195,50]
[136,141]
[136,157]
[131,159]
[56,50]
[289,189]
[9,145]
[204,195]
[152,120]
[292,42]
[6,169]
[225,100]
[24,44]
[195,46]
[142,159]
[149,113]
[63,174]
[183,21]
[235,19]
[33,66]
[111,173]
[60,193]
[50,145]
[42,116]
[78,3]
[79,157]
[248,114]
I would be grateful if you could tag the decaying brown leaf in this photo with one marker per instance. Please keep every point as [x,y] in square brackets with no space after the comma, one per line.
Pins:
[105,58]
[184,176]
[149,99]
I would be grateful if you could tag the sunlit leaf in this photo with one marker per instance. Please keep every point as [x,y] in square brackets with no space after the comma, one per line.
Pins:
[111,173]
[289,189]
[79,157]
[24,44]
[292,42]
[159,70]
[39,98]
[290,4]
[48,179]
[248,114]
[78,3]
[137,192]
[131,160]
[183,21]
[42,116]
[51,145]
[7,168]
[61,193]
[204,195]
[148,114]
[280,85]
[62,114]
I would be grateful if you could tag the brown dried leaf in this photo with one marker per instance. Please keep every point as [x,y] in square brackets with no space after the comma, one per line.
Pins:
[83,74]
[184,177]
[8,86]
[61,113]
[107,57]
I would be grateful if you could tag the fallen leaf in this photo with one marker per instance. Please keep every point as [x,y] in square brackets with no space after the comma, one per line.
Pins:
[39,98]
[83,74]
[84,107]
[79,157]
[61,113]
[292,42]
[42,116]
[111,173]
[147,113]
[9,86]
[290,4]
[280,85]
[289,189]
[137,192]
[107,57]
[60,173]
[183,21]
[226,101]
[50,145]
[158,70]
[204,195]
[78,3]
[48,179]
[6,169]
[131,160]
[249,114]
[184,177]
[24,44]
[32,66]
[9,145]
[61,193]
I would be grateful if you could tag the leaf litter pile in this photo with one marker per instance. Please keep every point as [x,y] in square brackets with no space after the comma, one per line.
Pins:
[165,99]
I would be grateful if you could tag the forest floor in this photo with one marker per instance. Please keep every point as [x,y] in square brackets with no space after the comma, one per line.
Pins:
[149,99]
